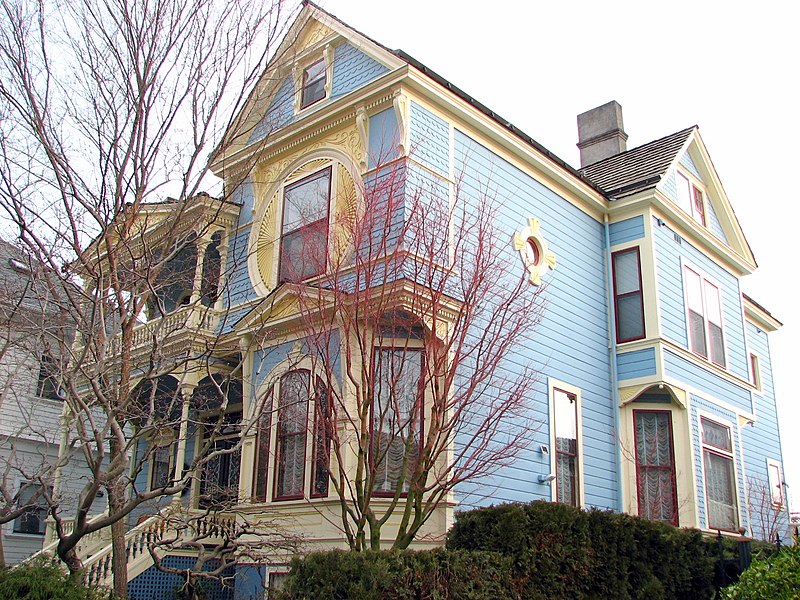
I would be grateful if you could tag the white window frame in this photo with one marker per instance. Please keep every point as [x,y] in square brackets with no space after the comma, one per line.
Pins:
[701,415]
[704,280]
[754,365]
[775,485]
[552,386]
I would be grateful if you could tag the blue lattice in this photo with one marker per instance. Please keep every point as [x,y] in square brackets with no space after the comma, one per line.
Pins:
[157,585]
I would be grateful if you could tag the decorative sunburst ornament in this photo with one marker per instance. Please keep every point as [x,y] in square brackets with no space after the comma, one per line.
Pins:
[532,248]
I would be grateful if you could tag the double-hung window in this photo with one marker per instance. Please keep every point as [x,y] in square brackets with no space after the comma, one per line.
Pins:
[396,417]
[314,83]
[567,444]
[718,464]
[628,299]
[704,314]
[775,480]
[304,230]
[655,465]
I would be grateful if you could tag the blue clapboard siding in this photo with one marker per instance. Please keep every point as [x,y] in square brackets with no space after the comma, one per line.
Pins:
[626,231]
[242,195]
[352,69]
[688,164]
[238,288]
[279,113]
[669,252]
[383,138]
[640,363]
[570,344]
[761,440]
[714,226]
[266,359]
[698,377]
[709,408]
[429,139]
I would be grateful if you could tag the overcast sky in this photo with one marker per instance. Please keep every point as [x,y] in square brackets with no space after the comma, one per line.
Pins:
[729,67]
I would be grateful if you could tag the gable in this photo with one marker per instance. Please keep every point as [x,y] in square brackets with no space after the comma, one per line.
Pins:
[350,61]
[692,164]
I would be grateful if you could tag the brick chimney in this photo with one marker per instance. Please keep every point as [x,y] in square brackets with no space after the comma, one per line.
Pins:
[600,133]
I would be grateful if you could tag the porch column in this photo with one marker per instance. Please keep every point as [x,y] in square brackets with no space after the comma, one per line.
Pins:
[187,387]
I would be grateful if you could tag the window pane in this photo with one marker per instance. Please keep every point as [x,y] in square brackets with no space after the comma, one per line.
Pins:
[314,78]
[395,420]
[717,344]
[698,210]
[566,430]
[694,292]
[306,201]
[626,272]
[304,253]
[322,441]
[720,492]
[262,448]
[629,317]
[716,435]
[697,333]
[714,310]
[161,470]
[33,520]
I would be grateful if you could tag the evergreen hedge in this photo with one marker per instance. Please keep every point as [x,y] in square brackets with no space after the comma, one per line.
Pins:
[44,581]
[533,551]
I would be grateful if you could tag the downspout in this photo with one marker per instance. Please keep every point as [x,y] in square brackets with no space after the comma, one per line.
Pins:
[612,359]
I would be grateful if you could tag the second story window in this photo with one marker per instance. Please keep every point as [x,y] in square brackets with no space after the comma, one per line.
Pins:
[704,317]
[47,386]
[304,232]
[314,82]
[628,300]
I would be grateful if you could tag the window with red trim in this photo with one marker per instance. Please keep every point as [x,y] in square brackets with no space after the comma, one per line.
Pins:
[690,198]
[628,297]
[655,465]
[718,464]
[304,229]
[290,450]
[314,80]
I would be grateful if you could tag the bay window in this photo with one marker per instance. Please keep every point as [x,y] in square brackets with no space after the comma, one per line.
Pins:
[704,316]
[655,465]
[718,464]
[628,299]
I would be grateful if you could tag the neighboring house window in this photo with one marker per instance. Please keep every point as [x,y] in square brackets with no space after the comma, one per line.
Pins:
[290,453]
[304,230]
[755,372]
[314,81]
[690,199]
[567,456]
[704,317]
[655,465]
[628,300]
[35,515]
[47,385]
[718,463]
[396,417]
[775,479]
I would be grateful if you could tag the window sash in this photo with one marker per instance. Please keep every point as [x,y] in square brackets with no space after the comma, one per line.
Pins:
[321,450]
[628,296]
[655,466]
[290,452]
[704,316]
[263,436]
[722,504]
[314,80]
[33,520]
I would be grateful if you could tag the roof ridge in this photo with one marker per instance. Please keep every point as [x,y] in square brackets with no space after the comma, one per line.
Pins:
[640,147]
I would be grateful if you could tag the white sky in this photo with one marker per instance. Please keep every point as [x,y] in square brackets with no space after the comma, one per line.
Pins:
[729,67]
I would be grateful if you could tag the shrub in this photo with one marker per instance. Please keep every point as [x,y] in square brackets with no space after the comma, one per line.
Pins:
[774,578]
[43,581]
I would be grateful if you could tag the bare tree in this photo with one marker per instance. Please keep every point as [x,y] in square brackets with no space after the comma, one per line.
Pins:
[107,106]
[768,517]
[412,333]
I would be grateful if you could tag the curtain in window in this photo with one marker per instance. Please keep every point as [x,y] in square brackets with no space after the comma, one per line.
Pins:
[720,491]
[292,427]
[566,428]
[262,449]
[655,472]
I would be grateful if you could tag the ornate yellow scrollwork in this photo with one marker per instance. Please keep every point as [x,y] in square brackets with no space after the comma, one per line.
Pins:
[534,251]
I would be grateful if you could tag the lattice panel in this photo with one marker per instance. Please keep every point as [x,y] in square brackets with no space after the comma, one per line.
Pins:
[157,585]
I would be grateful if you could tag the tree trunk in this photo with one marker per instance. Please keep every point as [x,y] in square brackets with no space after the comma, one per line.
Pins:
[119,557]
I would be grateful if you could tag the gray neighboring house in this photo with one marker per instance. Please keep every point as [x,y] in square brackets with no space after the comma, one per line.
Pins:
[30,403]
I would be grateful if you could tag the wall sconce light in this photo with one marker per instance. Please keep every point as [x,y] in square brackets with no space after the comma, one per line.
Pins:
[544,449]
[547,478]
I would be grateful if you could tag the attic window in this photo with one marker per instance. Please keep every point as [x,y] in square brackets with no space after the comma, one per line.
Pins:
[314,80]
[18,265]
[690,199]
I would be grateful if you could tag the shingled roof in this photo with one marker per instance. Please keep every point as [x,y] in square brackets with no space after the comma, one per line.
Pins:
[636,169]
